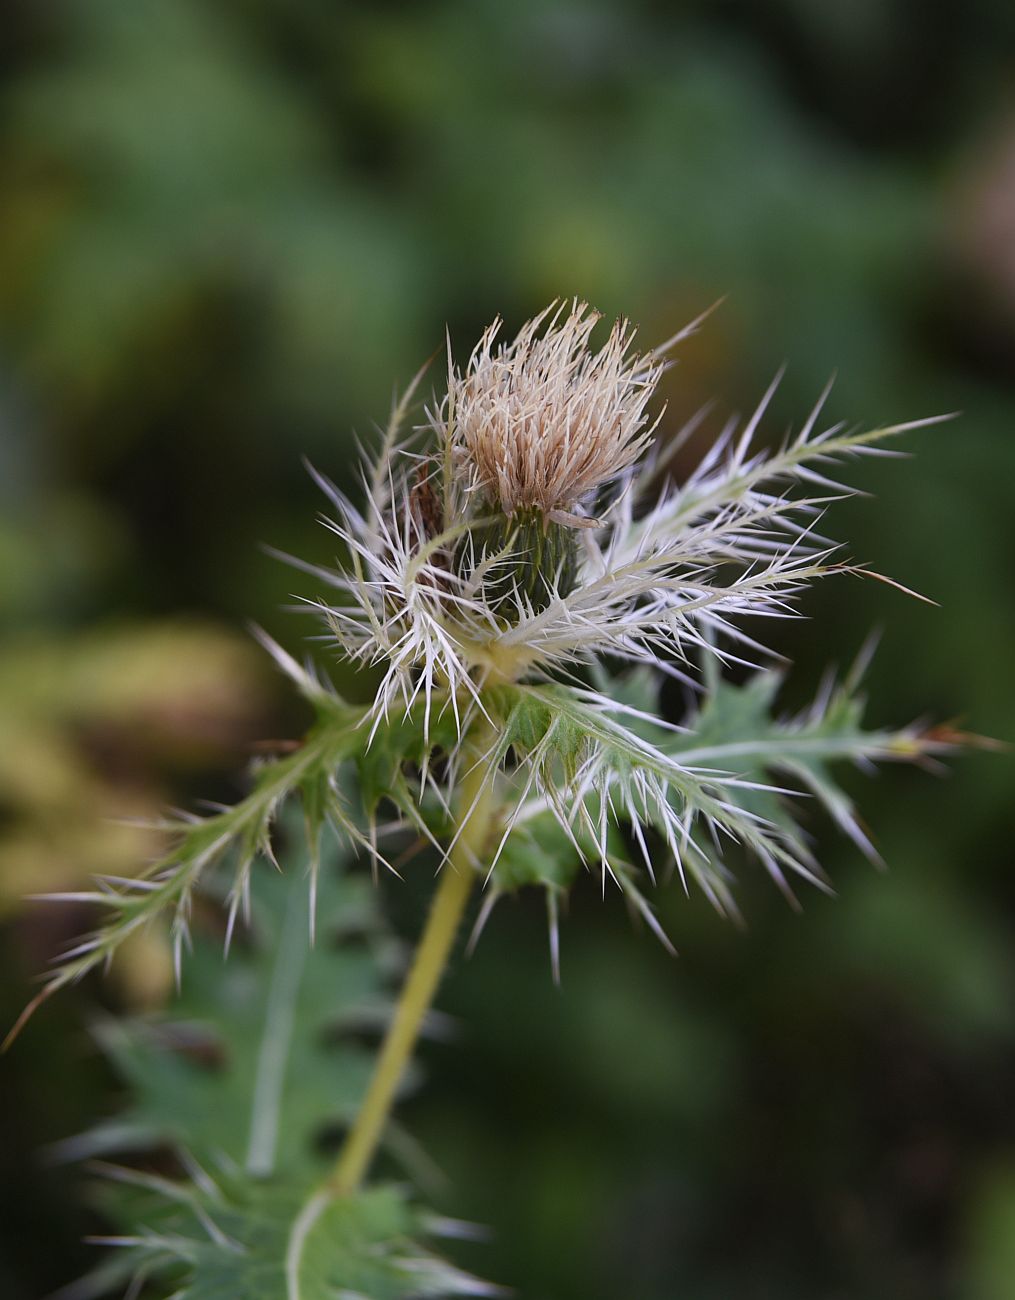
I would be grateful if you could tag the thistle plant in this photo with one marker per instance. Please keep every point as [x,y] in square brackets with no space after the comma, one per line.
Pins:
[523,572]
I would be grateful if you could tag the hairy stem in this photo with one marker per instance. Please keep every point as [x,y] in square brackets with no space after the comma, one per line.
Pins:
[456,880]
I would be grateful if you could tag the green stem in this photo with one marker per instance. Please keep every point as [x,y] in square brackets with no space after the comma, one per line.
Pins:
[446,911]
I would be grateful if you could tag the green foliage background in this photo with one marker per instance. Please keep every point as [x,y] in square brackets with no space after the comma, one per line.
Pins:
[226,229]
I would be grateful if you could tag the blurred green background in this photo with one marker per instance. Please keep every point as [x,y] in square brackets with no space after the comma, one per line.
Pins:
[226,230]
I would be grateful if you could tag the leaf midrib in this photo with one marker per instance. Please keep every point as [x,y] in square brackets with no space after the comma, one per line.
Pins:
[276,1037]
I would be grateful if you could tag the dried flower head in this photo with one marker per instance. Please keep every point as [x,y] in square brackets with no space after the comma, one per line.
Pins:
[544,420]
[454,532]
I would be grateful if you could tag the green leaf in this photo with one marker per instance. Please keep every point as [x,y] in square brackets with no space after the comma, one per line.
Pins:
[538,852]
[278,1240]
[395,745]
[588,762]
[737,730]
[250,1064]
[592,771]
[242,1080]
[313,770]
[387,755]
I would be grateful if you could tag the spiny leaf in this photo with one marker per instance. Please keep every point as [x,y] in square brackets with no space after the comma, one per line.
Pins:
[278,1240]
[241,1082]
[590,770]
[720,773]
[397,744]
[317,770]
[169,884]
[250,1064]
[737,729]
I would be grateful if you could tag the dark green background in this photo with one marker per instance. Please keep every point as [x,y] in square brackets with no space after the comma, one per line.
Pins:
[227,229]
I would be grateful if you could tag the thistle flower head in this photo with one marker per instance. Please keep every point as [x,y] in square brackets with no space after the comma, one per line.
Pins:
[544,420]
[497,615]
[489,611]
[461,570]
